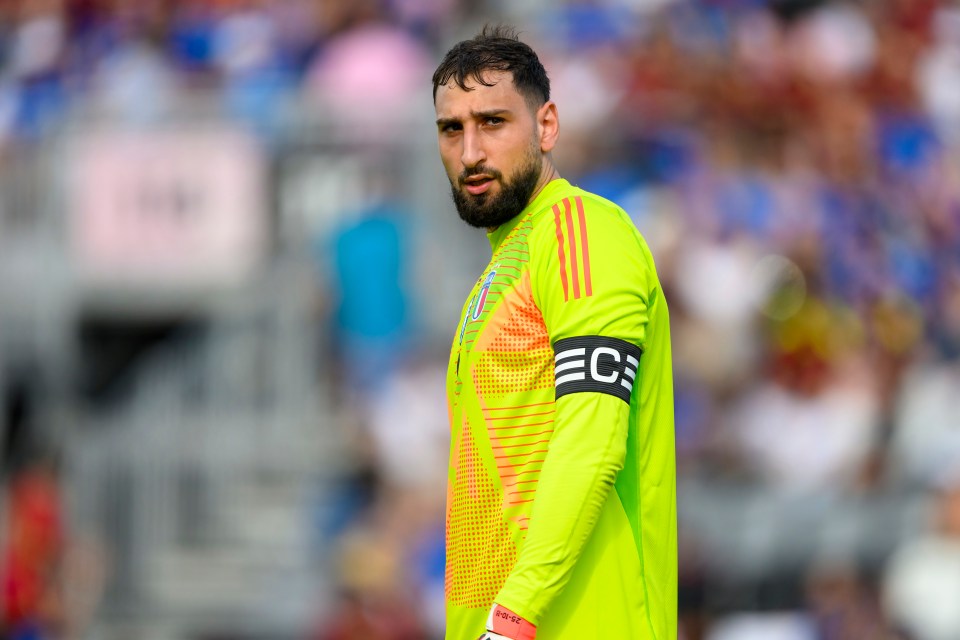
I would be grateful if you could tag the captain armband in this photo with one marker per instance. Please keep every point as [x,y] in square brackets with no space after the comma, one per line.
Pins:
[596,364]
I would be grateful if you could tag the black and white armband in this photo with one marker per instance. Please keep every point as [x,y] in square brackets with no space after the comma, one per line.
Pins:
[597,364]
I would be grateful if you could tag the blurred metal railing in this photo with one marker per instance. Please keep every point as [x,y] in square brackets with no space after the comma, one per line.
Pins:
[201,479]
[199,483]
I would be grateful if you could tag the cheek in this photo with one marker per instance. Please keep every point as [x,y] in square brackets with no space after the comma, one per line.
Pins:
[521,150]
[450,158]
[453,174]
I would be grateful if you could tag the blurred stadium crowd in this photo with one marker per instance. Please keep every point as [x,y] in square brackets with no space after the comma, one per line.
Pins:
[794,165]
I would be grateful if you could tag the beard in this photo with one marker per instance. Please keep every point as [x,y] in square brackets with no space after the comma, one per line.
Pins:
[486,211]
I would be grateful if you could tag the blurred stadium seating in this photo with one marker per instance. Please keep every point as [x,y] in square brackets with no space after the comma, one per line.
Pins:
[229,273]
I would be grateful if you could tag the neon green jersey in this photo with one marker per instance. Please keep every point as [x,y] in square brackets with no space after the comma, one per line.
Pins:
[561,500]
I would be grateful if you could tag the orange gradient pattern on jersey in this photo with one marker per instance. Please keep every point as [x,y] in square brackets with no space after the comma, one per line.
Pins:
[482,549]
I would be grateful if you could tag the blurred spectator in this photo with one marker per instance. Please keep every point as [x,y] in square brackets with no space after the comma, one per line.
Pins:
[371,612]
[191,38]
[760,626]
[135,83]
[37,52]
[34,544]
[833,45]
[811,425]
[426,18]
[375,577]
[926,437]
[844,605]
[922,581]
[938,75]
[257,75]
[794,164]
[408,423]
[244,40]
[368,79]
[713,287]
[373,328]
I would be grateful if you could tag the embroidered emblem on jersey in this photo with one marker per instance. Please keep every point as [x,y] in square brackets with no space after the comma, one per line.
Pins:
[466,317]
[484,290]
[597,364]
[573,250]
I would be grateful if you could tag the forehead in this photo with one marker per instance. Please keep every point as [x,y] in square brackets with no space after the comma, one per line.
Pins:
[452,101]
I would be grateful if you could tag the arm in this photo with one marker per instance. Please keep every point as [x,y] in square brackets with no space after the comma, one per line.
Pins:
[597,328]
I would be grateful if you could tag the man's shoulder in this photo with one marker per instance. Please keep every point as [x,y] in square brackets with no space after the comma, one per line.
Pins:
[572,209]
[573,196]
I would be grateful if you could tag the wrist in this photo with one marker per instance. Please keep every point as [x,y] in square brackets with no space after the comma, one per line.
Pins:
[504,622]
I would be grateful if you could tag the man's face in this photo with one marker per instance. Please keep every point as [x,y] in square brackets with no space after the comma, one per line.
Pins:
[489,147]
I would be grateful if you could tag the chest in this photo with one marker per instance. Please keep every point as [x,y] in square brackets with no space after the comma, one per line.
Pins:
[501,338]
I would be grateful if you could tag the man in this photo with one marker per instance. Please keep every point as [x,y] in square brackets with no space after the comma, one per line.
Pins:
[561,500]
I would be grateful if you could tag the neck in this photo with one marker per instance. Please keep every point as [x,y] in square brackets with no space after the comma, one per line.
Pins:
[548,174]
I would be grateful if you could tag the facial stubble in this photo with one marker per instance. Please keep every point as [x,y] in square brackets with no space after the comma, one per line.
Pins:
[487,211]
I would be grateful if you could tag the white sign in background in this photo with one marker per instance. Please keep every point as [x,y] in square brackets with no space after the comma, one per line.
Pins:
[174,210]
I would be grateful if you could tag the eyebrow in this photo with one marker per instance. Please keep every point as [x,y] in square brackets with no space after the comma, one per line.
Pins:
[476,115]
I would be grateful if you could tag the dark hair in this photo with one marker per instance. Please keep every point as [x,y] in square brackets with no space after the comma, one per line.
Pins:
[496,48]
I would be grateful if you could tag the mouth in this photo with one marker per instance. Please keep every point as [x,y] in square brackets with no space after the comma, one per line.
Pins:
[475,185]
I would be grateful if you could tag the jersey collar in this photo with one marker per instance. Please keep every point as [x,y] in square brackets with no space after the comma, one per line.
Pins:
[546,196]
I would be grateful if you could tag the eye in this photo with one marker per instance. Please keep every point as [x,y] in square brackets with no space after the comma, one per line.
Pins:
[450,127]
[493,121]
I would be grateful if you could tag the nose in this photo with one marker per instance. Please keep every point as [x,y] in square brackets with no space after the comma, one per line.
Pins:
[472,153]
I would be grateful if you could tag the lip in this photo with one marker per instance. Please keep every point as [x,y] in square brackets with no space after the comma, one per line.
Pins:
[475,185]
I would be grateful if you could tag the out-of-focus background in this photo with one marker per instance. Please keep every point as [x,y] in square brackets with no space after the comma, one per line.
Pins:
[230,271]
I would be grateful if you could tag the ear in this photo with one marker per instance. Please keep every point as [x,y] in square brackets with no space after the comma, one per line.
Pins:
[548,126]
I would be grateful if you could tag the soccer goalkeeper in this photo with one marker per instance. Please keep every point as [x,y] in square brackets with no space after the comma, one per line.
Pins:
[561,500]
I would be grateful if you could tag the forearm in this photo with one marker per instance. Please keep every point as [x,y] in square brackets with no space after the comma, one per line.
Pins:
[584,457]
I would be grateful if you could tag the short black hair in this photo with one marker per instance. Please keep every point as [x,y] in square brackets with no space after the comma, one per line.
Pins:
[495,48]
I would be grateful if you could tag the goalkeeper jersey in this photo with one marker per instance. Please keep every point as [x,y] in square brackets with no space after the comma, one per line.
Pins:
[561,496]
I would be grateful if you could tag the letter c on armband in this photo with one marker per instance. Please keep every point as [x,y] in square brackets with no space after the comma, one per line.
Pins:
[598,364]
